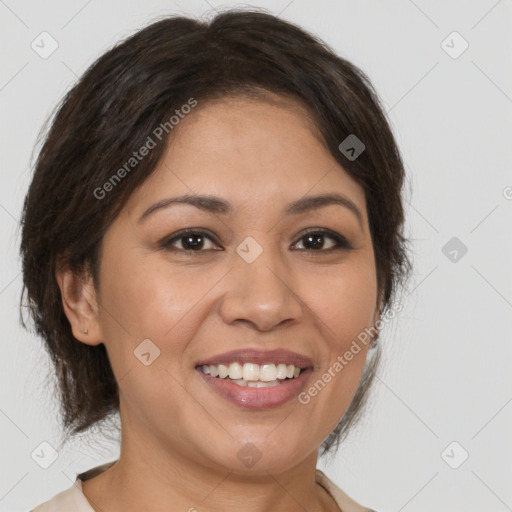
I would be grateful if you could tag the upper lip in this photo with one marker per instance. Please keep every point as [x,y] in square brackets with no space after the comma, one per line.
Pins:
[249,355]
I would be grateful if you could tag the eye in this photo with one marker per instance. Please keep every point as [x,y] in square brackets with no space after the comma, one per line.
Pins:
[314,241]
[190,240]
[199,241]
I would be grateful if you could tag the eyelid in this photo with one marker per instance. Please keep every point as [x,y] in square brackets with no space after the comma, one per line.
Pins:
[167,241]
[341,242]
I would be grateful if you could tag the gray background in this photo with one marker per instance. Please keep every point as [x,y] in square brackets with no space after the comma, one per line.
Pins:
[446,375]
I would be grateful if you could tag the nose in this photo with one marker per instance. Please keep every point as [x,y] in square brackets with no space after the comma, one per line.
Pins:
[262,294]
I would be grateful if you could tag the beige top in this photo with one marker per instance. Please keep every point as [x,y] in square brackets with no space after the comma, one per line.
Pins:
[73,499]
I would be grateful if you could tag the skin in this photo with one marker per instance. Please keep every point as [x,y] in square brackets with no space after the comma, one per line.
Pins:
[179,438]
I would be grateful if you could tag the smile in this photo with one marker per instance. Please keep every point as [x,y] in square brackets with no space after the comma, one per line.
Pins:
[256,379]
[253,375]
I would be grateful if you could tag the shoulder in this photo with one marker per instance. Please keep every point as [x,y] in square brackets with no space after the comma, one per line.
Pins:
[345,502]
[70,500]
[73,499]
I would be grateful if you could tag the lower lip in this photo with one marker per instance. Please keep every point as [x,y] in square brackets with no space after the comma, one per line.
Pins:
[257,398]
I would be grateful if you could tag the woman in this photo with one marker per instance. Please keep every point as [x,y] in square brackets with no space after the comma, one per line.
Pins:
[211,241]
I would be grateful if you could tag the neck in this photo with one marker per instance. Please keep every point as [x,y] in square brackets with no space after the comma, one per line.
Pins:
[148,478]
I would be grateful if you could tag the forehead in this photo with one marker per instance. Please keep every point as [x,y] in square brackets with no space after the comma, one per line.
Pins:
[251,151]
[240,125]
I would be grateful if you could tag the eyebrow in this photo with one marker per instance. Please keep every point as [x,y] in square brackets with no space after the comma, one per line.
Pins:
[216,205]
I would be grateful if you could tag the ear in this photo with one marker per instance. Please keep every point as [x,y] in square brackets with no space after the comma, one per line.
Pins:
[80,305]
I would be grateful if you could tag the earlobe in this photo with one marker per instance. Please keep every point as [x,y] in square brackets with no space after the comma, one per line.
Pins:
[80,305]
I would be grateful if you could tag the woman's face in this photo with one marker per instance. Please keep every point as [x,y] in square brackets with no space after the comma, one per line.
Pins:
[245,276]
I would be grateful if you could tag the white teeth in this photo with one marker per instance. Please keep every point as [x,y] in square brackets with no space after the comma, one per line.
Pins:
[223,371]
[268,372]
[260,384]
[251,373]
[281,371]
[235,371]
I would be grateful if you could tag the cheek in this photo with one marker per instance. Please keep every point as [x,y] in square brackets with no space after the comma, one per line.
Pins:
[147,298]
[344,306]
[344,303]
[141,301]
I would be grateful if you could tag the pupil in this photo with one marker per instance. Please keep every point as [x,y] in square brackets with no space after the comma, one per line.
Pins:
[316,240]
[189,241]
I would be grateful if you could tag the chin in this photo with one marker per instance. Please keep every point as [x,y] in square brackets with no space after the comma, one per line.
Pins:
[259,454]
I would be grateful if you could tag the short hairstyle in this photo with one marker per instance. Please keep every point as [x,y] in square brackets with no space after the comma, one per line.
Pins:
[137,86]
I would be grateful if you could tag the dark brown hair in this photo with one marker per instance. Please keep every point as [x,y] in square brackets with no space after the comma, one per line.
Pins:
[117,104]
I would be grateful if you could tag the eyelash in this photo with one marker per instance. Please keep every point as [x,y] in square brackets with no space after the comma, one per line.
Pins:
[341,242]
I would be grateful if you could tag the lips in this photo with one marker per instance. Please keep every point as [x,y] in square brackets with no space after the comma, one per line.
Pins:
[257,397]
[254,397]
[242,356]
